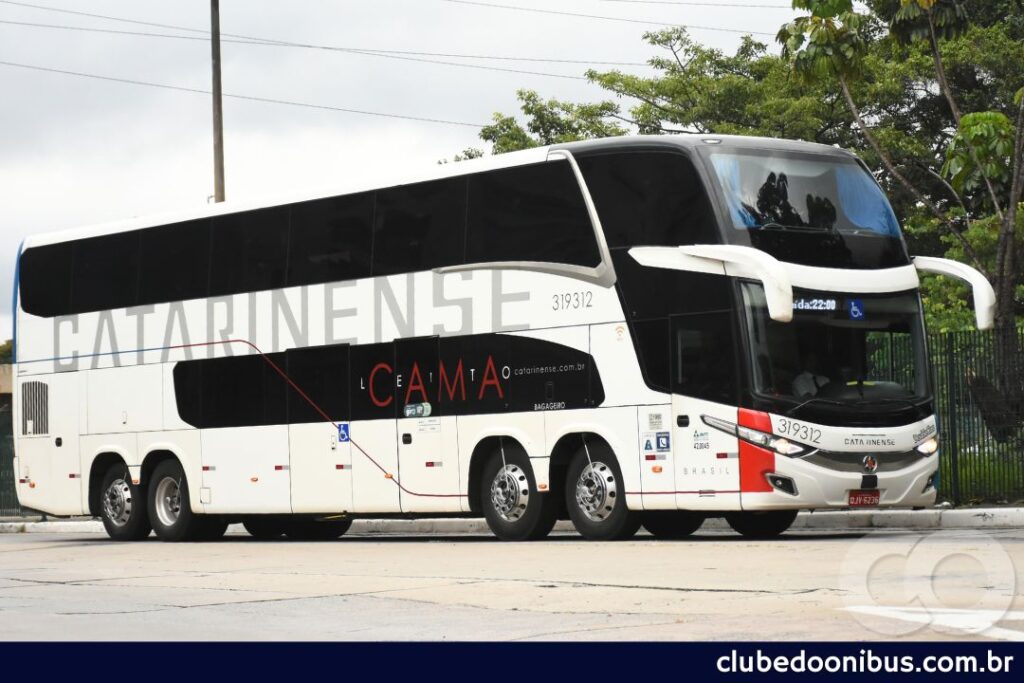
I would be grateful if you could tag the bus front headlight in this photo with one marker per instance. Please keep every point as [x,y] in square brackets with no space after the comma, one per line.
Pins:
[928,447]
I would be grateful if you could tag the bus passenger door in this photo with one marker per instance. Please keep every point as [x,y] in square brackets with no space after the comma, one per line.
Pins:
[427,440]
[704,383]
[48,458]
[318,429]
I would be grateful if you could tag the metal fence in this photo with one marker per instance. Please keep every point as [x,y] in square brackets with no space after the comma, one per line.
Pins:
[981,461]
[8,497]
[980,426]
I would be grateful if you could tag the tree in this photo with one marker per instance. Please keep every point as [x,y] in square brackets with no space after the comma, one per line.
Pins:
[914,124]
[6,352]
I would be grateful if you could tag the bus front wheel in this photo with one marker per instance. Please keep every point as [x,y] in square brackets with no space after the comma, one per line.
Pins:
[596,497]
[765,524]
[672,524]
[513,508]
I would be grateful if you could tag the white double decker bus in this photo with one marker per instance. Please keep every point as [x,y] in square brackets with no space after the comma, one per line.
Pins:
[646,330]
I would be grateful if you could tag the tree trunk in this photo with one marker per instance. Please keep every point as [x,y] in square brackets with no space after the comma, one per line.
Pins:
[917,194]
[1009,359]
[940,73]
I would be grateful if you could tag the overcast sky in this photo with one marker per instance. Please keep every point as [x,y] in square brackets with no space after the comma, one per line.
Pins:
[77,151]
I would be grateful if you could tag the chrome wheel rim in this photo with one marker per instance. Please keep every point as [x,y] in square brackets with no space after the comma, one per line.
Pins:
[596,491]
[510,493]
[168,501]
[117,502]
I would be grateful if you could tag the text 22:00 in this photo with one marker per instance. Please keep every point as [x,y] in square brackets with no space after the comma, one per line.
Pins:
[572,300]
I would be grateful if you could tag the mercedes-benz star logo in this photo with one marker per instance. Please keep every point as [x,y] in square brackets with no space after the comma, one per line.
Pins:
[870,464]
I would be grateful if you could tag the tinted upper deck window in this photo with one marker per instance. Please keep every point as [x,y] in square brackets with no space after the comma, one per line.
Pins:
[529,213]
[649,198]
[250,251]
[175,262]
[331,239]
[420,226]
[105,272]
[45,279]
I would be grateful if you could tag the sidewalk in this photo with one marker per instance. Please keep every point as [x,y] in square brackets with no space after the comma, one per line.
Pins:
[966,518]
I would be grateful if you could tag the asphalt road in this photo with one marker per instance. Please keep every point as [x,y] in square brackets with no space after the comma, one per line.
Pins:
[716,585]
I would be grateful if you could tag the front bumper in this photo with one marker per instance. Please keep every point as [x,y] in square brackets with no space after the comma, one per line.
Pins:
[823,487]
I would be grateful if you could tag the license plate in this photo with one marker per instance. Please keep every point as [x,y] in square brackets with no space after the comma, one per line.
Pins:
[865,499]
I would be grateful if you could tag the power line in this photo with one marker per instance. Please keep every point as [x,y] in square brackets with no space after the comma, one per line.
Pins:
[648,22]
[699,4]
[265,41]
[271,43]
[251,98]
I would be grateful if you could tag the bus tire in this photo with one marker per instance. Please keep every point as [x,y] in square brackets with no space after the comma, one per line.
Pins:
[264,529]
[123,506]
[764,524]
[315,529]
[513,507]
[671,524]
[170,510]
[596,497]
[211,528]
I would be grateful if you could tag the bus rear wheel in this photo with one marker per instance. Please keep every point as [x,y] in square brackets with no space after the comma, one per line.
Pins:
[672,524]
[315,529]
[764,524]
[264,529]
[123,506]
[596,497]
[513,508]
[170,510]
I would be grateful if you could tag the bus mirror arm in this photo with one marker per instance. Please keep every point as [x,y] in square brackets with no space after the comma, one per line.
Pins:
[728,259]
[984,295]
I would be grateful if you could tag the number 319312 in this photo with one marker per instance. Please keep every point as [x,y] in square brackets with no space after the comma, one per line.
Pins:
[570,301]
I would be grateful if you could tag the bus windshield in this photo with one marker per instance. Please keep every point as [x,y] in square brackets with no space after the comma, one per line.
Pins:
[838,349]
[783,191]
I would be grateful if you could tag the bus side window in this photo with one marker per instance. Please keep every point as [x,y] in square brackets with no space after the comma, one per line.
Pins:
[330,239]
[45,279]
[320,373]
[649,198]
[653,341]
[703,362]
[105,272]
[175,262]
[249,251]
[529,213]
[419,227]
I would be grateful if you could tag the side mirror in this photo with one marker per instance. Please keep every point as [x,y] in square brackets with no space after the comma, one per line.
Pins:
[984,295]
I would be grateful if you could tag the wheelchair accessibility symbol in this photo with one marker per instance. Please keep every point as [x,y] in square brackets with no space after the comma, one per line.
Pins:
[856,309]
[343,432]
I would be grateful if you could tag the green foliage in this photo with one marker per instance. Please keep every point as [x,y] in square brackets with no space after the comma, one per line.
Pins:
[991,135]
[884,54]
[6,352]
[910,22]
[831,41]
[551,122]
[468,153]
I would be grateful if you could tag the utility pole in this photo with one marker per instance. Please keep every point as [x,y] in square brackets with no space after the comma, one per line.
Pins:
[218,113]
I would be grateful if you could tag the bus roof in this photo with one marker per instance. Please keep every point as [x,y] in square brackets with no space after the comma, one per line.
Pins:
[414,174]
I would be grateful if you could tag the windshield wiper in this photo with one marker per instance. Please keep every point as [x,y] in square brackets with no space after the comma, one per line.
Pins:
[847,404]
[772,225]
[786,228]
[827,401]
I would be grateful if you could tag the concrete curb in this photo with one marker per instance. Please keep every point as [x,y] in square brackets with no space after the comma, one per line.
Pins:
[971,518]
